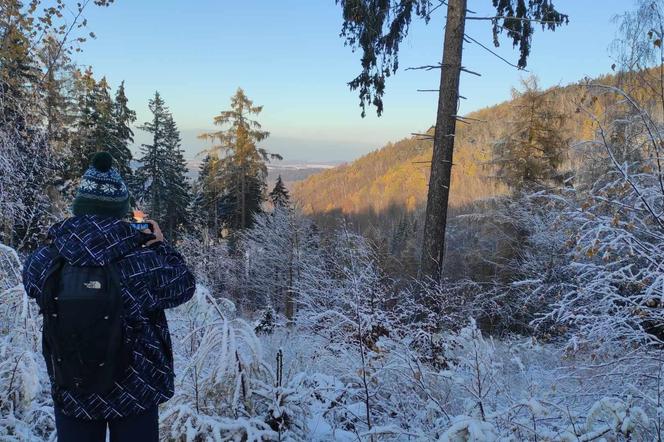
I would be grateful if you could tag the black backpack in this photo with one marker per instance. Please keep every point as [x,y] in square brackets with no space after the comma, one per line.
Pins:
[83,337]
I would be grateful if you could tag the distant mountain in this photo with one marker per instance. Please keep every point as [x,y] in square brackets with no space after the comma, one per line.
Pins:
[293,173]
[397,175]
[290,148]
[290,173]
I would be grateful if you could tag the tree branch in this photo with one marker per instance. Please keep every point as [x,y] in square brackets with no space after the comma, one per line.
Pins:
[512,18]
[472,40]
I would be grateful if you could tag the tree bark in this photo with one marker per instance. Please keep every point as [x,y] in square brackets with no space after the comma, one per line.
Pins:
[433,242]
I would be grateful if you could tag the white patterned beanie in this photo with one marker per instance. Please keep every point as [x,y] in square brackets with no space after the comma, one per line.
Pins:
[102,190]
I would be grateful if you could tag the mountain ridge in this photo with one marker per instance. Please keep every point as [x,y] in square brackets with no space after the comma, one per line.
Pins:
[397,174]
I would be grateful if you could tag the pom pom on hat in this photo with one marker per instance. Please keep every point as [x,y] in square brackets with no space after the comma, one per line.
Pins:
[102,161]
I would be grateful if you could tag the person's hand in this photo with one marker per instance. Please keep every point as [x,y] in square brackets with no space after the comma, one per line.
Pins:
[156,231]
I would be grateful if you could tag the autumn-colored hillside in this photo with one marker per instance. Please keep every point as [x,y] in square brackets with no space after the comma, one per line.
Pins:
[397,174]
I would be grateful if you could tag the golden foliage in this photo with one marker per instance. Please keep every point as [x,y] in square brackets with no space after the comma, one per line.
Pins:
[397,174]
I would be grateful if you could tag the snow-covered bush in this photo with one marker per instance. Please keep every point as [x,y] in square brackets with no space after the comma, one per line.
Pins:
[309,383]
[25,406]
[226,389]
[611,419]
[28,171]
[341,299]
[209,259]
[507,261]
[274,251]
[615,301]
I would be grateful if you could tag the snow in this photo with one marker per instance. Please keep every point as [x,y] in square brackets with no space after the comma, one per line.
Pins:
[468,429]
[228,387]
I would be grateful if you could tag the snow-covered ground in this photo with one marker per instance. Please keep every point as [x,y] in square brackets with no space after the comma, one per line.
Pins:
[303,383]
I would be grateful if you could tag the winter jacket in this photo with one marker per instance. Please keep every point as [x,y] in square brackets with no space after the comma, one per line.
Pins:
[153,278]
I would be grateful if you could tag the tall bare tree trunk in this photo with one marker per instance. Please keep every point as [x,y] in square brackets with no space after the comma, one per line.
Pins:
[433,242]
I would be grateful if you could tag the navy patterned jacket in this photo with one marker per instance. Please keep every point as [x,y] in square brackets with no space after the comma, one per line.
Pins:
[153,279]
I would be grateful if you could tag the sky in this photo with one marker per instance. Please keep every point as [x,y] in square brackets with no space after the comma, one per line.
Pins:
[287,55]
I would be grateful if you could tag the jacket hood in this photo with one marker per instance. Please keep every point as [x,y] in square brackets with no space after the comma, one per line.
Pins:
[93,240]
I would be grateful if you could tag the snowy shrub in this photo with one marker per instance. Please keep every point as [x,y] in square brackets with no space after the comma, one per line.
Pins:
[266,321]
[182,423]
[10,268]
[615,299]
[28,171]
[19,376]
[611,419]
[219,353]
[467,429]
[275,250]
[19,373]
[342,295]
[226,390]
[25,405]
[210,260]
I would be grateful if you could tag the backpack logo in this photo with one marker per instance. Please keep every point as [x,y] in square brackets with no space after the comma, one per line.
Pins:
[92,285]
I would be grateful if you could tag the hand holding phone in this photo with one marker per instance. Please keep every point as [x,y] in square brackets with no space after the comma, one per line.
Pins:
[156,231]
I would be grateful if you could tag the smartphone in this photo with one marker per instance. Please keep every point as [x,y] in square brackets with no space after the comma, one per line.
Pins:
[141,226]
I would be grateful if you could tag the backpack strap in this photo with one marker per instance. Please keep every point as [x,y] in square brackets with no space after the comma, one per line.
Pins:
[47,300]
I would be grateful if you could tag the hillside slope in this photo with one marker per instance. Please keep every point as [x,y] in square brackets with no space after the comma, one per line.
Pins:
[397,175]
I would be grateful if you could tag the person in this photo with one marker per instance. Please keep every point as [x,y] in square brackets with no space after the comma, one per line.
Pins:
[150,277]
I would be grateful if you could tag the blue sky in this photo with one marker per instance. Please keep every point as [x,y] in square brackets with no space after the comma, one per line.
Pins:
[288,56]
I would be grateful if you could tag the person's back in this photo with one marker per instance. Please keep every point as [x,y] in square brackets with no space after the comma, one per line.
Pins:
[149,276]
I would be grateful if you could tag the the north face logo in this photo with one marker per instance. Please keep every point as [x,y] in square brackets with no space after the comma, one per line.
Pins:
[92,285]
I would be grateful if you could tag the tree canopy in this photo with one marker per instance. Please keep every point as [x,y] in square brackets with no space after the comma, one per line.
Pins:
[377,28]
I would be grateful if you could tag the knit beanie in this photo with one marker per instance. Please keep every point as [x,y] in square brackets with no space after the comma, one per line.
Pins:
[102,191]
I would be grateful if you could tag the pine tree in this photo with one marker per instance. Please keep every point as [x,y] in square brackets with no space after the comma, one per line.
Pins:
[279,195]
[236,168]
[535,149]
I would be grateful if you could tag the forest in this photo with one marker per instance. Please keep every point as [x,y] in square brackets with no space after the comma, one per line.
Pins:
[312,317]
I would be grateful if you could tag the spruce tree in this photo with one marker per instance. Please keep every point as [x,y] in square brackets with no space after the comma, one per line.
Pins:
[279,195]
[102,136]
[94,128]
[85,126]
[123,136]
[151,188]
[162,187]
[178,190]
[205,194]
[59,106]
